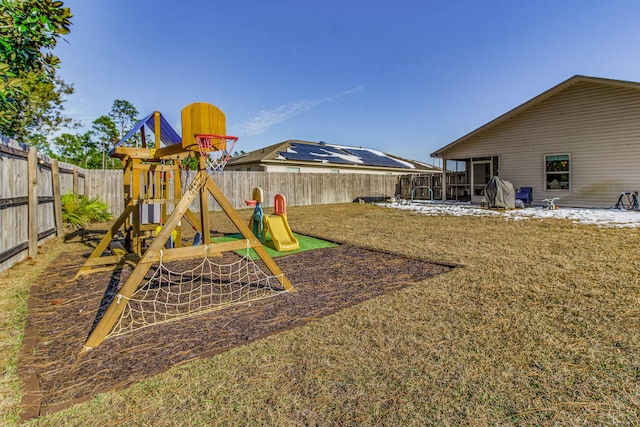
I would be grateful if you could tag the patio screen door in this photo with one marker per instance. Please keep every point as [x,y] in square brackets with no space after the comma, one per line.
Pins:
[480,176]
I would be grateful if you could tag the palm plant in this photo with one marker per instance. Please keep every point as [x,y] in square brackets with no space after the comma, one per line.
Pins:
[78,210]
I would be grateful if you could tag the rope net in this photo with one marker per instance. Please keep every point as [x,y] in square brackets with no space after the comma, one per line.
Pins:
[216,150]
[170,295]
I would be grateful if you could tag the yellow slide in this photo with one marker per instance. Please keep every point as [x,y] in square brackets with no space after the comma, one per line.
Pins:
[281,234]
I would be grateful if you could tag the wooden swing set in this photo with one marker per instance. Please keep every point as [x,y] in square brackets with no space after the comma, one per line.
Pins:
[149,176]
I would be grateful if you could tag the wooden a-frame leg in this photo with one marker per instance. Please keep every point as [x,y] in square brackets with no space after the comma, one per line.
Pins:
[202,179]
[104,243]
[112,314]
[248,234]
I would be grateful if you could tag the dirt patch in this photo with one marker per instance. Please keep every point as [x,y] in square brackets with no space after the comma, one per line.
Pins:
[62,312]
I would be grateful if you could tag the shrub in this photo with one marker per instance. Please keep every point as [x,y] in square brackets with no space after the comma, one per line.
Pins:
[78,210]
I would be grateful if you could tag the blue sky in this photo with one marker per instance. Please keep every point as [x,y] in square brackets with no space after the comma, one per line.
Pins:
[404,77]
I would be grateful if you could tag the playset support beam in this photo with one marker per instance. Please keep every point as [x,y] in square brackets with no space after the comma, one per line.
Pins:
[147,179]
[155,251]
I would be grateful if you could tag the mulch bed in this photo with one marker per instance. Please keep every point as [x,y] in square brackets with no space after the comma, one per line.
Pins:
[62,311]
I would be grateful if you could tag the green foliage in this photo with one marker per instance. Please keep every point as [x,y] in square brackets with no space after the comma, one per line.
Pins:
[91,149]
[190,163]
[78,210]
[30,93]
[71,213]
[78,149]
[40,111]
[29,27]
[105,131]
[123,114]
[32,96]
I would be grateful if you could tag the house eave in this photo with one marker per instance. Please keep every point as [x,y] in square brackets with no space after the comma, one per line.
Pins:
[532,102]
[347,166]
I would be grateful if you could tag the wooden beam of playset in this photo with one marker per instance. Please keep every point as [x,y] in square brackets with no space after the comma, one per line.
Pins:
[104,243]
[116,307]
[190,252]
[156,251]
[136,170]
[225,205]
[190,216]
[171,152]
[141,167]
[156,128]
[204,208]
[110,260]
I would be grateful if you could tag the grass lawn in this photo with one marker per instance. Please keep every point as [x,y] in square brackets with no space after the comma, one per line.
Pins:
[541,326]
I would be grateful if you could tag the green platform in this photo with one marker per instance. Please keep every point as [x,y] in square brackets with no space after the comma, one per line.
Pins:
[307,243]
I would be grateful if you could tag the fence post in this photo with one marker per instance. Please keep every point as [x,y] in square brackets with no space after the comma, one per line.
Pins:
[57,197]
[32,176]
[75,180]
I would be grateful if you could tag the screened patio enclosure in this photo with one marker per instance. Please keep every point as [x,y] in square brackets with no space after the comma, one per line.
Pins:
[467,178]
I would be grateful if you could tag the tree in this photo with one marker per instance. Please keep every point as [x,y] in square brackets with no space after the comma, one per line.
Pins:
[30,92]
[68,147]
[42,112]
[105,130]
[79,149]
[90,149]
[124,114]
[29,27]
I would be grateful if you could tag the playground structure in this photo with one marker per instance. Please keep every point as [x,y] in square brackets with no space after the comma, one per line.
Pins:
[151,178]
[275,227]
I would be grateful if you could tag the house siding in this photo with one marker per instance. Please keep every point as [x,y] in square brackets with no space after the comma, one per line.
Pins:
[598,125]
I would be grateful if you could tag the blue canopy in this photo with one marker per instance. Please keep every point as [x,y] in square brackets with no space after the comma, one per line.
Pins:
[168,135]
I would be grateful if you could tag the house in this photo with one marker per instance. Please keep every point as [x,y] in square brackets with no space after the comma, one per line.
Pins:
[578,141]
[319,157]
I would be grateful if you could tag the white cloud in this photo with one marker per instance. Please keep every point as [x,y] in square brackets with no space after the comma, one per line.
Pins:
[265,119]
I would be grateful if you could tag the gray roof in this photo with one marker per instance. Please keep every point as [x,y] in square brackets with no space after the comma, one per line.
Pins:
[306,152]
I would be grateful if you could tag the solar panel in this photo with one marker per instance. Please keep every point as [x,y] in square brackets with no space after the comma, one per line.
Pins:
[306,157]
[340,155]
[316,153]
[370,158]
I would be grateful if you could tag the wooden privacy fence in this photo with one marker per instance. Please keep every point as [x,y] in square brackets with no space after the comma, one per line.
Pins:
[301,189]
[31,187]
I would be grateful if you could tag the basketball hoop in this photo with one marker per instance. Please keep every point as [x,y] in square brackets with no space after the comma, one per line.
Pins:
[216,150]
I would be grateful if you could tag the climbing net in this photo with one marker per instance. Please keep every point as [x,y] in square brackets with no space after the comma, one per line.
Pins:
[169,295]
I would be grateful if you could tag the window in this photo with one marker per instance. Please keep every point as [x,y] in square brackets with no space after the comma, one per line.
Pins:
[292,169]
[557,172]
